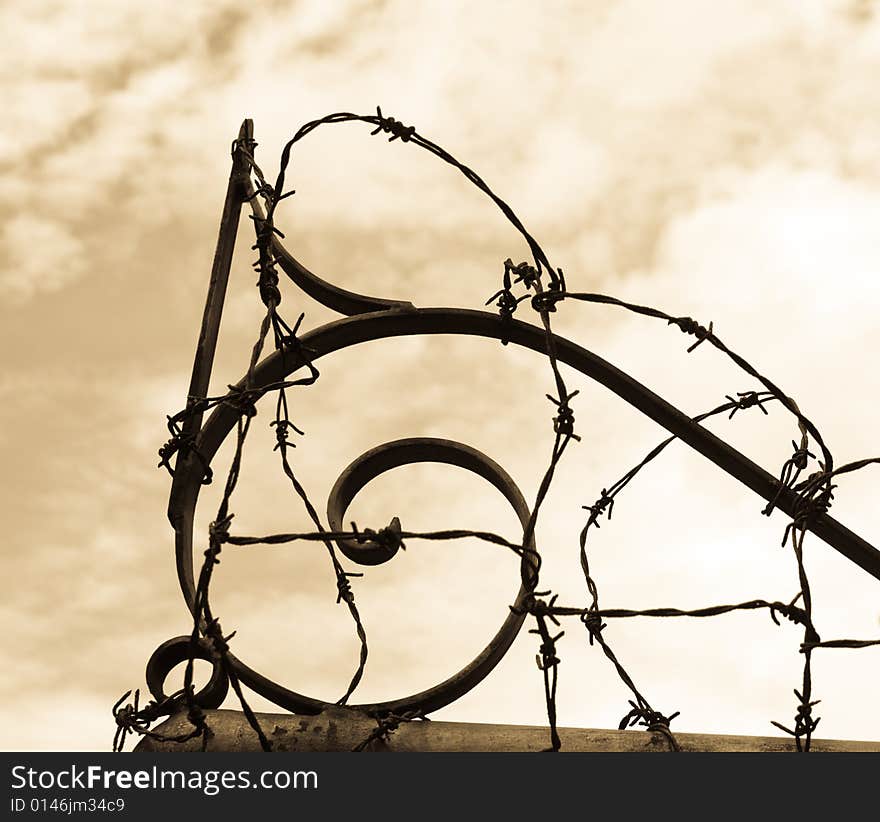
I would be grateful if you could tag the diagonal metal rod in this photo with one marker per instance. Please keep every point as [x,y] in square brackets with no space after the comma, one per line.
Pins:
[206,346]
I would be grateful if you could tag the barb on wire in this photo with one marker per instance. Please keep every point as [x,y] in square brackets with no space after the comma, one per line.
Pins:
[506,301]
[547,659]
[653,721]
[132,718]
[386,725]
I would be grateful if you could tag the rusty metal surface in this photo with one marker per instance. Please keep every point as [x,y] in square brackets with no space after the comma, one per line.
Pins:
[338,730]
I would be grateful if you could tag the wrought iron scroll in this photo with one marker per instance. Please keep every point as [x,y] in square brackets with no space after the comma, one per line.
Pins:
[804,496]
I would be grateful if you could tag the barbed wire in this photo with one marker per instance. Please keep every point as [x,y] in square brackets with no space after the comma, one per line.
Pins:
[813,495]
[386,725]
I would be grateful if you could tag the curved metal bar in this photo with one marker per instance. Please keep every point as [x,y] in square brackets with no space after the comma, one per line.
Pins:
[387,324]
[176,650]
[395,454]
[329,295]
[390,455]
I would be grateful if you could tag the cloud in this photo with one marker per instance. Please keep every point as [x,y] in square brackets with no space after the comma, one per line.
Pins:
[41,255]
[720,162]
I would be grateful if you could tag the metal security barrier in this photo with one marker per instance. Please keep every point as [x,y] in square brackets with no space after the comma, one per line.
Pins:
[804,490]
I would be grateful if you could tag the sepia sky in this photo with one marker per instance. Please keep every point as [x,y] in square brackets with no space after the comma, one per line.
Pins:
[719,160]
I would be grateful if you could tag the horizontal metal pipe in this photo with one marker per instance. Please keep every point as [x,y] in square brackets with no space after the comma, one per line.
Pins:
[339,729]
